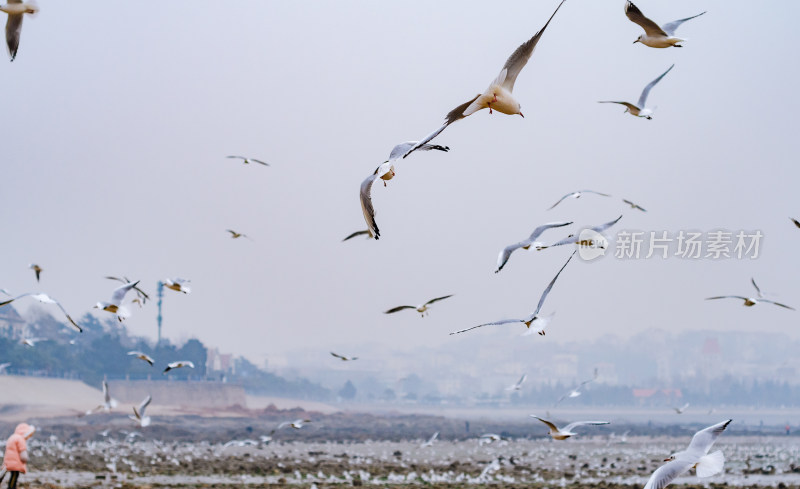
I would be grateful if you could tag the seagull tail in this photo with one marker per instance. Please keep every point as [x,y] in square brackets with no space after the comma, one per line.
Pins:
[710,464]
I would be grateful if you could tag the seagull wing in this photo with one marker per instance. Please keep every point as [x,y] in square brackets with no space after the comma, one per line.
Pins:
[795,221]
[119,293]
[519,58]
[495,323]
[703,440]
[237,157]
[549,286]
[338,356]
[607,225]
[637,17]
[753,281]
[629,105]
[521,380]
[671,27]
[562,198]
[366,205]
[505,254]
[48,300]
[456,114]
[571,426]
[398,308]
[144,405]
[357,233]
[544,227]
[13,29]
[776,303]
[727,297]
[402,148]
[646,91]
[437,299]
[550,425]
[594,192]
[665,474]
[259,161]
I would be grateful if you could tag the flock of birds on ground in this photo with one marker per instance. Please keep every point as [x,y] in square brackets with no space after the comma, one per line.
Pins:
[497,97]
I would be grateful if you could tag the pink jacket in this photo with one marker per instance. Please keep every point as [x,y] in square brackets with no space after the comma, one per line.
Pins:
[14,447]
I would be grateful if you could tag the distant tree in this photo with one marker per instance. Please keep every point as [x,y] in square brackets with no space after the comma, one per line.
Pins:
[348,392]
[388,395]
[195,352]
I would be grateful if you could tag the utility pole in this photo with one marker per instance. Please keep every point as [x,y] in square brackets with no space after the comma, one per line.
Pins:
[160,298]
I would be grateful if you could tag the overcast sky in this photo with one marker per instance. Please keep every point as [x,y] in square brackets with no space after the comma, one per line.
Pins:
[117,120]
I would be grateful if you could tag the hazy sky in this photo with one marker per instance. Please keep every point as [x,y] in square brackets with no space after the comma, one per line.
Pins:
[117,120]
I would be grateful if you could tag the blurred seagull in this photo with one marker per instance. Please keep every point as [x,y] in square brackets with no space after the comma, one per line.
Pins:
[235,235]
[139,292]
[115,304]
[505,254]
[680,410]
[577,391]
[634,206]
[108,402]
[359,233]
[654,35]
[577,195]
[178,284]
[32,341]
[343,358]
[533,316]
[430,441]
[247,160]
[138,414]
[141,356]
[296,424]
[748,301]
[498,96]
[42,297]
[563,433]
[573,239]
[639,110]
[36,269]
[422,308]
[15,10]
[518,385]
[180,364]
[4,366]
[696,455]
[488,438]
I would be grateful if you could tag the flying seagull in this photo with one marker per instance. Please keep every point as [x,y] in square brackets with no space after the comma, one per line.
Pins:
[296,424]
[639,110]
[138,414]
[577,195]
[115,304]
[32,341]
[36,269]
[108,402]
[422,308]
[385,171]
[577,391]
[696,455]
[518,385]
[42,297]
[748,301]
[505,254]
[142,356]
[235,235]
[359,233]
[15,10]
[177,284]
[498,96]
[180,364]
[139,292]
[680,410]
[655,36]
[430,441]
[344,358]
[634,206]
[534,315]
[573,239]
[563,433]
[247,160]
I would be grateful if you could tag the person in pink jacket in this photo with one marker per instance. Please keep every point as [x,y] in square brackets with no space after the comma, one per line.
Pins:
[16,457]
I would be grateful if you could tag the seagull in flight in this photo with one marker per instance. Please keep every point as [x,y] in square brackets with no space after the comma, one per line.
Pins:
[680,410]
[640,109]
[573,239]
[180,364]
[634,206]
[32,341]
[498,96]
[430,441]
[530,319]
[115,304]
[16,9]
[577,391]
[108,402]
[385,171]
[422,308]
[296,424]
[139,292]
[518,385]
[36,269]
[138,414]
[235,235]
[178,284]
[42,297]
[563,433]
[344,358]
[696,455]
[654,35]
[748,301]
[247,160]
[577,195]
[142,356]
[505,253]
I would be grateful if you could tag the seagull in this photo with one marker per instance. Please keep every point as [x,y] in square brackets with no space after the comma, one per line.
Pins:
[247,160]
[115,305]
[343,358]
[489,438]
[795,221]
[32,341]
[655,36]
[141,356]
[139,292]
[422,308]
[696,455]
[177,284]
[533,316]
[235,235]
[639,110]
[518,385]
[498,96]
[296,424]
[108,403]
[4,366]
[505,254]
[138,414]
[577,391]
[15,10]
[174,365]
[573,239]
[634,206]
[681,409]
[748,301]
[385,171]
[563,433]
[42,297]
[541,323]
[577,195]
[430,441]
[36,269]
[359,233]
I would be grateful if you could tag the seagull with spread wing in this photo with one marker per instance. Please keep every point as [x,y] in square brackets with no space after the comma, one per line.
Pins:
[344,358]
[577,195]
[296,424]
[108,402]
[534,316]
[505,253]
[640,109]
[680,410]
[498,96]
[577,391]
[180,364]
[115,305]
[36,269]
[430,441]
[422,308]
[518,385]
[634,206]
[142,356]
[46,299]
[16,9]
[563,433]
[654,35]
[576,239]
[748,301]
[178,285]
[138,413]
[247,160]
[139,292]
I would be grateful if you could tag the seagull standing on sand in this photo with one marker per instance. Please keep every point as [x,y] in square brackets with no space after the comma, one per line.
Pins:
[563,433]
[180,364]
[505,254]
[518,385]
[36,269]
[16,9]
[138,414]
[421,309]
[177,284]
[534,316]
[696,455]
[142,356]
[577,195]
[115,304]
[247,160]
[639,110]
[654,35]
[498,96]
[41,297]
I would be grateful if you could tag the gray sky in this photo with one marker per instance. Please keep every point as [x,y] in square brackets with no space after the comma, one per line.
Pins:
[115,134]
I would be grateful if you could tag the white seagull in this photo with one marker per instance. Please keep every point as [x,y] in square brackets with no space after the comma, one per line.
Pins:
[430,441]
[748,301]
[36,269]
[577,195]
[177,284]
[15,10]
[138,414]
[115,304]
[563,433]
[534,316]
[505,254]
[139,292]
[422,308]
[42,297]
[518,385]
[385,172]
[577,391]
[680,410]
[573,239]
[498,96]
[344,358]
[640,110]
[108,402]
[4,366]
[296,424]
[142,356]
[32,341]
[247,160]
[696,455]
[180,364]
[488,438]
[654,35]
